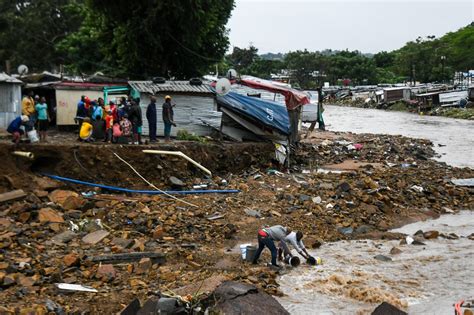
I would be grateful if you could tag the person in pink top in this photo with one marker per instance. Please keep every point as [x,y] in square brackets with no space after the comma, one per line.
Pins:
[116,132]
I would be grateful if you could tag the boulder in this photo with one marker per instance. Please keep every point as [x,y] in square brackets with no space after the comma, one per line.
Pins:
[239,298]
[387,309]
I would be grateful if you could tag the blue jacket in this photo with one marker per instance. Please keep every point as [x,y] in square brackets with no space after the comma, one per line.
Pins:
[14,125]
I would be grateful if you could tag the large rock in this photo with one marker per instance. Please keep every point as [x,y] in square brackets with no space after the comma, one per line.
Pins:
[239,298]
[44,183]
[59,196]
[48,215]
[387,309]
[176,182]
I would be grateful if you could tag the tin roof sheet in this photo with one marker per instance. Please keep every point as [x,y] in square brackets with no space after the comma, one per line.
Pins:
[169,87]
[8,79]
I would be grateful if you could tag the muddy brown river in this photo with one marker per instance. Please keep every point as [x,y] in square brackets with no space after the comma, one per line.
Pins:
[425,279]
[453,139]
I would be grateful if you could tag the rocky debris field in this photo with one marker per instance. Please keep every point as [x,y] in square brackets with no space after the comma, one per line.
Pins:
[122,248]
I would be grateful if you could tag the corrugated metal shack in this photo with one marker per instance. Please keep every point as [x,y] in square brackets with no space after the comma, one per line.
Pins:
[195,110]
[10,99]
[396,94]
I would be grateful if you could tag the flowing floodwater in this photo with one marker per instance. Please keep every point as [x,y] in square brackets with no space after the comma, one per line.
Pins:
[456,136]
[423,279]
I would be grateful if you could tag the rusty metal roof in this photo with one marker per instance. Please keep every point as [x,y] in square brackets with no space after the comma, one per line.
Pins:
[169,87]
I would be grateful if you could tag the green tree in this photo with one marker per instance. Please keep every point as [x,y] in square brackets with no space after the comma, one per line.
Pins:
[30,30]
[242,58]
[163,37]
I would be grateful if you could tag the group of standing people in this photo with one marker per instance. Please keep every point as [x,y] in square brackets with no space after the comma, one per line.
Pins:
[112,123]
[34,116]
[122,122]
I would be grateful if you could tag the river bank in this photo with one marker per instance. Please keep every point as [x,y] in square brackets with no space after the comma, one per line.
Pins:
[401,106]
[341,186]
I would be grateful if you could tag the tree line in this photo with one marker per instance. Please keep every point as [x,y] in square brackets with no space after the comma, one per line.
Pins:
[131,39]
[181,39]
[427,59]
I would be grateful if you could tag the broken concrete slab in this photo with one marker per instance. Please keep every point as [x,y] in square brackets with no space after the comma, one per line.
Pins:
[95,237]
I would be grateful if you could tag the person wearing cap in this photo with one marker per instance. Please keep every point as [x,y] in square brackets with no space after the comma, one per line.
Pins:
[296,240]
[266,238]
[15,127]
[167,115]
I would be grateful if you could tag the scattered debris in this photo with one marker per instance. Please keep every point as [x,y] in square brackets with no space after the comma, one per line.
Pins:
[75,287]
[12,195]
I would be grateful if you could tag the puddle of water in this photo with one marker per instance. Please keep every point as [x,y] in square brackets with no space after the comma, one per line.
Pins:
[454,134]
[421,280]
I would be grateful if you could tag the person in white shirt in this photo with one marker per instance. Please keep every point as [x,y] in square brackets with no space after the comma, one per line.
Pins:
[296,240]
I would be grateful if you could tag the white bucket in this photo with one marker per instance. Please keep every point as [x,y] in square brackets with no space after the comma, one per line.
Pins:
[33,136]
[243,250]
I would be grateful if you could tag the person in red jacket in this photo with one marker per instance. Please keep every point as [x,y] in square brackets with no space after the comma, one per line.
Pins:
[109,123]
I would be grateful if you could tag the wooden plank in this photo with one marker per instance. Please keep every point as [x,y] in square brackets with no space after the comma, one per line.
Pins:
[129,257]
[12,195]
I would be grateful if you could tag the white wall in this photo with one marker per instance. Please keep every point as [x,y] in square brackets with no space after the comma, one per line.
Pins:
[66,102]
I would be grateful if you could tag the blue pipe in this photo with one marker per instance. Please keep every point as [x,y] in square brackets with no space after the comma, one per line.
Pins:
[150,192]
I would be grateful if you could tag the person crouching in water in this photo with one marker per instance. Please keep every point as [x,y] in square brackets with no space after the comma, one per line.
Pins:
[85,133]
[296,240]
[15,127]
[266,238]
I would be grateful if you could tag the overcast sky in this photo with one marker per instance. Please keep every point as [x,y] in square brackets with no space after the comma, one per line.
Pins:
[369,26]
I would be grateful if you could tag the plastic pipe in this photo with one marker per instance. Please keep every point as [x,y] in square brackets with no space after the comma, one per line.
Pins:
[181,154]
[149,192]
[28,155]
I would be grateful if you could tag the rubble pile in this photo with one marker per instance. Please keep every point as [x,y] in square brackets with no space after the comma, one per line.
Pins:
[116,248]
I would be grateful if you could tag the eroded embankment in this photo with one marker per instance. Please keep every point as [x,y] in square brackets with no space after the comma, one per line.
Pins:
[97,163]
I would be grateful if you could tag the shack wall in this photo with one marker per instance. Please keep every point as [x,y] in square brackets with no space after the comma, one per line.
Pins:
[10,103]
[66,101]
[194,113]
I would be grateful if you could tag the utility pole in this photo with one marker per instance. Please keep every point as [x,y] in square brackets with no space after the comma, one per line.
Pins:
[443,58]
